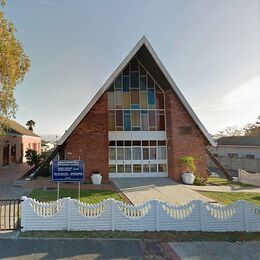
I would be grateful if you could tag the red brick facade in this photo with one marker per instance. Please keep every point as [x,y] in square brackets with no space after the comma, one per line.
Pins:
[193,144]
[89,141]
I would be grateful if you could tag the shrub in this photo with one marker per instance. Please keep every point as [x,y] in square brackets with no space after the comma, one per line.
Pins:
[200,181]
[189,163]
[33,158]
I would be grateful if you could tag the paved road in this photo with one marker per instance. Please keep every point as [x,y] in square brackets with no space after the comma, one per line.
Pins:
[8,176]
[138,190]
[80,249]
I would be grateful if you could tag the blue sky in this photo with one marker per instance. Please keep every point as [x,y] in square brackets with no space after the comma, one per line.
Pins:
[210,48]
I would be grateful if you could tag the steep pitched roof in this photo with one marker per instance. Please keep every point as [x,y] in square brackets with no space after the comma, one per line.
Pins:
[240,140]
[15,127]
[143,50]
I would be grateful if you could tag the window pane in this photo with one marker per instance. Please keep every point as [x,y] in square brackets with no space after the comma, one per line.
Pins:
[120,168]
[151,97]
[134,65]
[162,153]
[152,118]
[126,84]
[128,154]
[119,118]
[160,123]
[134,80]
[162,143]
[159,101]
[127,143]
[153,167]
[118,99]
[120,143]
[111,120]
[135,96]
[152,153]
[112,143]
[110,99]
[136,153]
[145,167]
[135,118]
[150,82]
[145,153]
[126,70]
[126,100]
[118,83]
[144,119]
[112,168]
[145,143]
[143,84]
[128,168]
[136,143]
[137,168]
[127,122]
[162,167]
[112,153]
[142,70]
[143,99]
[120,153]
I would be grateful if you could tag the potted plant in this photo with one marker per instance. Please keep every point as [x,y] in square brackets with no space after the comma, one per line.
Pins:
[96,177]
[189,167]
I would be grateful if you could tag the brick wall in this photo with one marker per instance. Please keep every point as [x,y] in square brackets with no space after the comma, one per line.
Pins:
[192,144]
[89,140]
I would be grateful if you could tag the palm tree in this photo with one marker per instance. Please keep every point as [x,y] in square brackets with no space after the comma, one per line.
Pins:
[30,124]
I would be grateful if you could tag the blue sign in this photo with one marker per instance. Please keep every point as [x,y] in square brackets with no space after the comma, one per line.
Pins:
[68,171]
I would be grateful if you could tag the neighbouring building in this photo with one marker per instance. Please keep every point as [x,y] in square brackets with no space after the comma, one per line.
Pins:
[138,124]
[15,142]
[47,146]
[238,152]
[238,147]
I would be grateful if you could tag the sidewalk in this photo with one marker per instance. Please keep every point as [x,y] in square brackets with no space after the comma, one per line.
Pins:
[216,250]
[223,188]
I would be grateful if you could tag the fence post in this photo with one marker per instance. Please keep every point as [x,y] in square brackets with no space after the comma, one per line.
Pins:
[157,216]
[113,214]
[245,209]
[68,212]
[23,213]
[202,224]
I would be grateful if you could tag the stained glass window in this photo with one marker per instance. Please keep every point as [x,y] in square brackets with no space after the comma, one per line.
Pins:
[136,91]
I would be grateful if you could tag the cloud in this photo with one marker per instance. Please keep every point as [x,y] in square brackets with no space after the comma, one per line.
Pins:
[245,94]
[49,3]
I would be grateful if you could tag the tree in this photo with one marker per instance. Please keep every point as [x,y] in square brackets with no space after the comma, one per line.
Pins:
[229,131]
[14,64]
[33,158]
[30,124]
[253,129]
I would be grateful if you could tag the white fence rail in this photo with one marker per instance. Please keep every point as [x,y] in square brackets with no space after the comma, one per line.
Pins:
[249,178]
[153,215]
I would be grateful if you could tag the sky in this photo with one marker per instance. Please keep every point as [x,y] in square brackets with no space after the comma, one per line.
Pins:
[210,48]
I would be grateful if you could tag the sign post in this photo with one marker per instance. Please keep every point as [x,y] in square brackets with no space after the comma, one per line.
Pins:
[67,171]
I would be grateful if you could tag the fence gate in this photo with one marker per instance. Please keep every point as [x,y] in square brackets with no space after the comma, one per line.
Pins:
[9,214]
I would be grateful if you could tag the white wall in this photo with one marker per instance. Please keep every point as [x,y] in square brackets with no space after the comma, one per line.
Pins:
[223,150]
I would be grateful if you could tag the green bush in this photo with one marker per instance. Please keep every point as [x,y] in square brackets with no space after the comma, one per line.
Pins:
[200,181]
[189,163]
[33,158]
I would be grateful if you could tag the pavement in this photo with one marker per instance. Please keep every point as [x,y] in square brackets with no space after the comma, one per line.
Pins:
[15,247]
[224,188]
[26,248]
[10,185]
[217,250]
[138,190]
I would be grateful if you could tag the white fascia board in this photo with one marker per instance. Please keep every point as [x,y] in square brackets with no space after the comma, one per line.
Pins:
[132,53]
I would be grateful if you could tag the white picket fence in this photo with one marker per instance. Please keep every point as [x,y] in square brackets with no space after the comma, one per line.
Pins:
[153,215]
[249,178]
